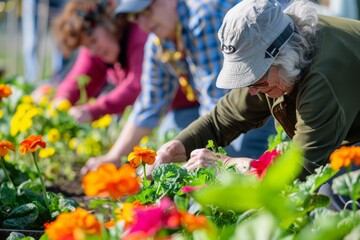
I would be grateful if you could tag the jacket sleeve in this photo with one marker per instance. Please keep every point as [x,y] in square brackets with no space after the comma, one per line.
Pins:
[88,65]
[237,112]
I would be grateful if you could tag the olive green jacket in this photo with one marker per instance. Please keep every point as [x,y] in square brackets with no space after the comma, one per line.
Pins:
[320,114]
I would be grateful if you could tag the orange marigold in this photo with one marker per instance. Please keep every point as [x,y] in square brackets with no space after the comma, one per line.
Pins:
[107,180]
[141,154]
[31,143]
[344,156]
[193,222]
[4,146]
[5,91]
[74,225]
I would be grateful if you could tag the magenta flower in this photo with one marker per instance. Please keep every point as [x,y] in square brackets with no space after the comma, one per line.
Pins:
[154,218]
[260,165]
[187,189]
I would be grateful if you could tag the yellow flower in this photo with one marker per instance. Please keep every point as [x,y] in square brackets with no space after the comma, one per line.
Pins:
[1,114]
[27,99]
[44,101]
[63,106]
[22,108]
[26,124]
[34,111]
[72,143]
[14,126]
[80,149]
[144,140]
[47,152]
[53,135]
[103,122]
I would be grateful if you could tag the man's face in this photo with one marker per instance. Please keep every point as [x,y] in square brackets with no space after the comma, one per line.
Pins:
[159,18]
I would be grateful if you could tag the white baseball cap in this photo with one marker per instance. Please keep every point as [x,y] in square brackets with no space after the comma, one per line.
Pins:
[251,36]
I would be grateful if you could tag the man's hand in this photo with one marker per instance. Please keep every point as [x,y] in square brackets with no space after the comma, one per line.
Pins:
[205,158]
[172,151]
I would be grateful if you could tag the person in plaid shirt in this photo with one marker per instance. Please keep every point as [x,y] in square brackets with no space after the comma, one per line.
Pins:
[182,51]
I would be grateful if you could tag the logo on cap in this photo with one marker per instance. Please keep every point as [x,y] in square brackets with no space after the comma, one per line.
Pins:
[229,49]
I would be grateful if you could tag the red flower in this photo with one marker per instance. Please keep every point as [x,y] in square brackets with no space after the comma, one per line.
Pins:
[260,165]
[30,144]
[5,91]
[4,146]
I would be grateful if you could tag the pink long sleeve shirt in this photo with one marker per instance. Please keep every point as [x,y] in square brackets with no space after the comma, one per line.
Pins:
[126,81]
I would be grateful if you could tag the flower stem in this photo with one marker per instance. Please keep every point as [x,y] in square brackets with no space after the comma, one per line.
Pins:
[41,180]
[144,170]
[352,191]
[6,174]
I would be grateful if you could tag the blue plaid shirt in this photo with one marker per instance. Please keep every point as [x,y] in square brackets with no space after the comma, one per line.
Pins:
[200,21]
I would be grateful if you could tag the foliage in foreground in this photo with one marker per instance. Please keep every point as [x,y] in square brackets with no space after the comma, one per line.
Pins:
[219,203]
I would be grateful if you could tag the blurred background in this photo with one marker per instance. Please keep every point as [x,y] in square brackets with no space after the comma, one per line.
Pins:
[26,44]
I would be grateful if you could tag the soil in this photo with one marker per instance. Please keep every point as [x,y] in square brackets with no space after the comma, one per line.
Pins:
[71,189]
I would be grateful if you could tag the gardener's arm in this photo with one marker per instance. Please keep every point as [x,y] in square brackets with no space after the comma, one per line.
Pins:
[129,137]
[205,158]
[174,151]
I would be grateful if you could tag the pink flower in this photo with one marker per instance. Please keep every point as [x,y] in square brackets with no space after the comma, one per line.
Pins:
[187,189]
[260,165]
[154,218]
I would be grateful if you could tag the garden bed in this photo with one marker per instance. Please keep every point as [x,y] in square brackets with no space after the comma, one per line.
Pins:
[71,188]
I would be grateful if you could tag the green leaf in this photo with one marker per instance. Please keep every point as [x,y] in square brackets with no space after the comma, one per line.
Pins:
[7,194]
[21,217]
[182,202]
[261,226]
[314,181]
[325,225]
[347,184]
[278,176]
[316,201]
[284,170]
[278,139]
[18,236]
[28,196]
[238,193]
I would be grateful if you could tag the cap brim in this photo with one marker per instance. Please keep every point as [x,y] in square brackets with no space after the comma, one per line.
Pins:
[132,6]
[243,73]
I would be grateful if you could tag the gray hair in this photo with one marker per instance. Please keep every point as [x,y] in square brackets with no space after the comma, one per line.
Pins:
[297,54]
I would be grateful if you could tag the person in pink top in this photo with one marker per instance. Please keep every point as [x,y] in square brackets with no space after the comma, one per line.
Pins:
[111,52]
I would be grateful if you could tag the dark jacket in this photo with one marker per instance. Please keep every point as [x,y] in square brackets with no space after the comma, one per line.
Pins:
[321,113]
